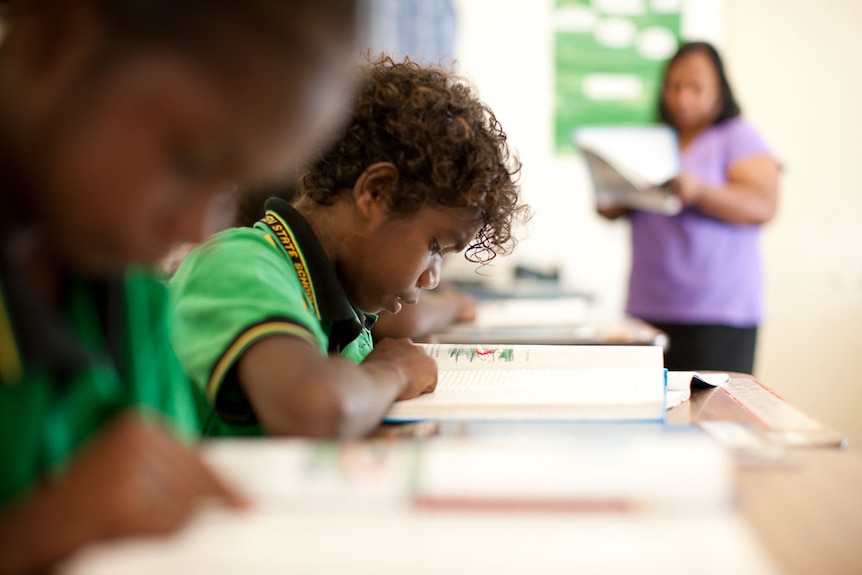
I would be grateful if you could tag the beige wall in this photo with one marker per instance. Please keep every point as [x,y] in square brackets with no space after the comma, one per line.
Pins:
[797,68]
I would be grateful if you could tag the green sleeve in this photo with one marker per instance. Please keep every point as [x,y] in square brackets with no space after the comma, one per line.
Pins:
[158,382]
[229,293]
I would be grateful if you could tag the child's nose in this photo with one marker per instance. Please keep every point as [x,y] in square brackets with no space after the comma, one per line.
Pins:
[430,278]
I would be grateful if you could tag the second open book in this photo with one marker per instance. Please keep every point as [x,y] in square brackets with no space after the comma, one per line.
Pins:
[543,382]
[630,165]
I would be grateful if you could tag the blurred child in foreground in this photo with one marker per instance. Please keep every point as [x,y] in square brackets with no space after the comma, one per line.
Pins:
[122,125]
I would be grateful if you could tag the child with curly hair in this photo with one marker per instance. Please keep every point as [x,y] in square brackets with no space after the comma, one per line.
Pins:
[273,322]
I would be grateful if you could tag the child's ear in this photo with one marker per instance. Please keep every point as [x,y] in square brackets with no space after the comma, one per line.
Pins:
[374,188]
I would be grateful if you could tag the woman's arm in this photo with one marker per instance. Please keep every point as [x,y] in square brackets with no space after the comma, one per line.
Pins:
[749,197]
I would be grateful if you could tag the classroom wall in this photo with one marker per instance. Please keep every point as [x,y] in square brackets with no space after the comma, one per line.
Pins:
[795,67]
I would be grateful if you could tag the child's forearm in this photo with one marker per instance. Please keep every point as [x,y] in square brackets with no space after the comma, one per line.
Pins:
[384,383]
[337,400]
[296,391]
[42,530]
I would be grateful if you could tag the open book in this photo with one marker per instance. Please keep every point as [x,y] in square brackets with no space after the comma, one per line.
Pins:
[630,165]
[541,382]
[507,505]
[614,468]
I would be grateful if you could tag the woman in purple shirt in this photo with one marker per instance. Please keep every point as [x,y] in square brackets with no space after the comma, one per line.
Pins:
[697,275]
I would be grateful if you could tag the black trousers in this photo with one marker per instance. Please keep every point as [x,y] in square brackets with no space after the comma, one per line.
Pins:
[709,347]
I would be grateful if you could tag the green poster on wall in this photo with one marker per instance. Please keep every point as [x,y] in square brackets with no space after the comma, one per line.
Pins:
[609,58]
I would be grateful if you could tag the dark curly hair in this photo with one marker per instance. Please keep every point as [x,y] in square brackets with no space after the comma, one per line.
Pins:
[448,147]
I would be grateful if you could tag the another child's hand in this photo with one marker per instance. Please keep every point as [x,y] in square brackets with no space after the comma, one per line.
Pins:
[419,368]
[466,308]
[133,478]
[137,478]
[463,305]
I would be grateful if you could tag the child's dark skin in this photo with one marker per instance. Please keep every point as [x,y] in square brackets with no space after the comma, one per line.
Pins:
[110,158]
[384,260]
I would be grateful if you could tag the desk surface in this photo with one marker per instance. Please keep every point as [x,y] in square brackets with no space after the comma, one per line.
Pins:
[539,313]
[805,507]
[808,511]
[809,517]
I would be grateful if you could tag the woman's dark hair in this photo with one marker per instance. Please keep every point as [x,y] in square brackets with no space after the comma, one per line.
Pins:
[729,107]
[448,147]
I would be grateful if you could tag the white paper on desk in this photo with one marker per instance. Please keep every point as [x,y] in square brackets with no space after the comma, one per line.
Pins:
[675,397]
[679,384]
[681,380]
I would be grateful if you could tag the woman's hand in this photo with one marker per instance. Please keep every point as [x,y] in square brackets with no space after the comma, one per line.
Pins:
[688,188]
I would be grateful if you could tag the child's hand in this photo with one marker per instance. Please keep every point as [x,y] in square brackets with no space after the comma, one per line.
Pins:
[464,304]
[467,311]
[419,368]
[136,478]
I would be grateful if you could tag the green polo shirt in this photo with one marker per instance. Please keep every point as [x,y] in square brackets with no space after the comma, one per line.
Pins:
[64,375]
[246,284]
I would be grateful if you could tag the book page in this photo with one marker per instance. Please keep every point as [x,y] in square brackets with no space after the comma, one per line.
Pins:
[629,166]
[616,186]
[650,152]
[553,386]
[565,394]
[473,357]
[541,382]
